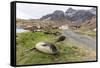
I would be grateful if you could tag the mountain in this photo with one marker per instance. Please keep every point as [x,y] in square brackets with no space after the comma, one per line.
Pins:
[70,12]
[56,15]
[73,15]
[93,11]
[79,15]
[86,25]
[75,19]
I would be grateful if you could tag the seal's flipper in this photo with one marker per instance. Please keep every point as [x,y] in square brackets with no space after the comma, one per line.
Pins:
[27,51]
[30,49]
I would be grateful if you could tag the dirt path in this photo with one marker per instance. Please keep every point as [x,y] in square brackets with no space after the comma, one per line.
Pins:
[81,39]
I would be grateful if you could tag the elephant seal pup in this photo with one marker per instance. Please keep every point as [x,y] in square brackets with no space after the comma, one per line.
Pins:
[47,47]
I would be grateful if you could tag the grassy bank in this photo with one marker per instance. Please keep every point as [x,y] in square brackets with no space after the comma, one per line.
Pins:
[69,51]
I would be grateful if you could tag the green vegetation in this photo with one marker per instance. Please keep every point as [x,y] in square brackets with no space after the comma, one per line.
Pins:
[69,52]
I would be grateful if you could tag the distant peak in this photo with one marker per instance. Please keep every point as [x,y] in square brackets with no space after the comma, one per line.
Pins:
[58,12]
[69,10]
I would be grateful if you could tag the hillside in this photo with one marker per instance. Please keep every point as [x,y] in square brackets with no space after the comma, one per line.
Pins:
[75,19]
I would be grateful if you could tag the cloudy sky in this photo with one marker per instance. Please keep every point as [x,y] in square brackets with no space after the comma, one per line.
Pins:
[35,11]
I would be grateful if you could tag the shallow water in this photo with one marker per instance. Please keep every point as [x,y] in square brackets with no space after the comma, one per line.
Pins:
[19,30]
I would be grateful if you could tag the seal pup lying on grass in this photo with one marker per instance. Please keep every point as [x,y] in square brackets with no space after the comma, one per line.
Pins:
[46,47]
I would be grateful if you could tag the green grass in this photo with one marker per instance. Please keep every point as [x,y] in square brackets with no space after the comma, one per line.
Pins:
[69,52]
